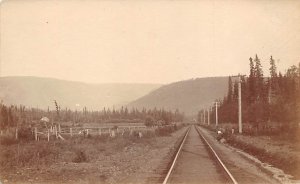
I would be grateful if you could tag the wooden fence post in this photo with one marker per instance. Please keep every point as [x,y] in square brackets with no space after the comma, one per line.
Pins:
[59,129]
[48,135]
[16,133]
[35,133]
[87,132]
[130,132]
[113,134]
[56,131]
[71,132]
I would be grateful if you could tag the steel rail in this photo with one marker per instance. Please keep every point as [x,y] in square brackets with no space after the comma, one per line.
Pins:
[175,159]
[218,158]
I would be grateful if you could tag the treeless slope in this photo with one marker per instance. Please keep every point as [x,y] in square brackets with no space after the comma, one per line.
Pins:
[188,96]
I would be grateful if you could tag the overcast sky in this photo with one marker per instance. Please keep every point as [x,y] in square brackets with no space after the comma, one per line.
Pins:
[145,41]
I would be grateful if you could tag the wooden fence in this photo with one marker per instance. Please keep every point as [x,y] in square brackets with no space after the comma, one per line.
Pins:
[61,133]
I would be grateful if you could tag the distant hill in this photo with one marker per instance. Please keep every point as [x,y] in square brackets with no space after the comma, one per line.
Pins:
[188,96]
[40,92]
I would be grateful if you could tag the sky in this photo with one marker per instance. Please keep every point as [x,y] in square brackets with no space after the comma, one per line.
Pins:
[145,41]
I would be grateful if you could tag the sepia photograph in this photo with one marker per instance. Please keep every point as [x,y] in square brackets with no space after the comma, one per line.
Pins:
[149,91]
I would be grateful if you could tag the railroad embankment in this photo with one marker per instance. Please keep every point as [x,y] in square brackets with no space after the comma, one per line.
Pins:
[281,151]
[275,150]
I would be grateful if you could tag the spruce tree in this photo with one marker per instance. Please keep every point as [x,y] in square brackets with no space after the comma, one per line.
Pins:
[273,68]
[229,93]
[259,80]
[251,81]
[273,82]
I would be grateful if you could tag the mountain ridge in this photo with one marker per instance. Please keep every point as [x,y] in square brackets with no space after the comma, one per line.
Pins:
[41,91]
[188,96]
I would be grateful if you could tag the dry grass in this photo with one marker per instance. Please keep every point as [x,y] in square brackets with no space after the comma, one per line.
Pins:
[273,152]
[37,154]
[93,159]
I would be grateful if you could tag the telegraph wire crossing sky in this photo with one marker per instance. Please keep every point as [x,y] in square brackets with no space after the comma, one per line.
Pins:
[145,41]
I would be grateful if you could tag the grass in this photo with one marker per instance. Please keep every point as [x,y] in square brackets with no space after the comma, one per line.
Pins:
[8,140]
[286,161]
[93,159]
[37,154]
[80,157]
[42,153]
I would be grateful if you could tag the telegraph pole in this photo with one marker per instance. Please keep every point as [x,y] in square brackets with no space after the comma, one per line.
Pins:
[240,106]
[208,116]
[240,103]
[201,117]
[204,116]
[216,104]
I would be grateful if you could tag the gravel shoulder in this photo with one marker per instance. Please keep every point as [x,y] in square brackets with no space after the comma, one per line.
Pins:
[284,154]
[243,168]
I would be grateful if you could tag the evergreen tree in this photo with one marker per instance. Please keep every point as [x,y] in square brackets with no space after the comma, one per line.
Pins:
[4,117]
[229,93]
[251,80]
[273,68]
[259,80]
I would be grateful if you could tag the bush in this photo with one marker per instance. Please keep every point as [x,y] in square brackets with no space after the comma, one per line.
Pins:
[6,157]
[80,157]
[148,134]
[101,138]
[8,140]
[149,122]
[25,134]
[164,131]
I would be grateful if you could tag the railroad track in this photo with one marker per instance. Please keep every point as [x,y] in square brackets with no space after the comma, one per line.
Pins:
[197,162]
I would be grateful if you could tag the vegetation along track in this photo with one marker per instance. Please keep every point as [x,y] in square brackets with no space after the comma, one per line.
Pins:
[197,162]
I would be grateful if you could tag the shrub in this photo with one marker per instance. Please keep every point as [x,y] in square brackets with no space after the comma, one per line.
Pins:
[24,134]
[149,134]
[101,138]
[164,131]
[6,157]
[8,140]
[149,122]
[80,157]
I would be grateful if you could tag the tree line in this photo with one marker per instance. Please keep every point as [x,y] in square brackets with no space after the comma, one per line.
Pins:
[12,116]
[274,99]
